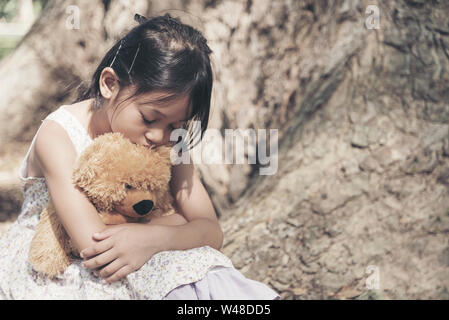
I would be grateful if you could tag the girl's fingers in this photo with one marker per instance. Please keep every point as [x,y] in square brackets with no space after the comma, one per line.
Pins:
[96,249]
[100,235]
[105,233]
[123,272]
[111,268]
[100,260]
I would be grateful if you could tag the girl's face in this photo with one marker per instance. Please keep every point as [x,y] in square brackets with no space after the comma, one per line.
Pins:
[148,123]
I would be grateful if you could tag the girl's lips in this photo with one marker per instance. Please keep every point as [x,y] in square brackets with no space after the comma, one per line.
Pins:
[147,144]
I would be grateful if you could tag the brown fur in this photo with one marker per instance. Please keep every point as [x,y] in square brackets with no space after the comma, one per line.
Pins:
[103,171]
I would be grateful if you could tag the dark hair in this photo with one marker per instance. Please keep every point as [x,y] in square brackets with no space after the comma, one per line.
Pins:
[161,53]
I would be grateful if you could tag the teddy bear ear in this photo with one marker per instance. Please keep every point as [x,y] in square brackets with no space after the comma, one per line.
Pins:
[84,171]
[164,151]
[82,175]
[109,137]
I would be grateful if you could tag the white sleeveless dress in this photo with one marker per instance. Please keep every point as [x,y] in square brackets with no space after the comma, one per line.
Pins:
[199,273]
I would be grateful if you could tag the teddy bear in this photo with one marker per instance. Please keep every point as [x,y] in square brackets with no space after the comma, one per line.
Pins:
[125,182]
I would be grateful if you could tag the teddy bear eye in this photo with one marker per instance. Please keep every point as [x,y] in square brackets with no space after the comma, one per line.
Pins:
[127,186]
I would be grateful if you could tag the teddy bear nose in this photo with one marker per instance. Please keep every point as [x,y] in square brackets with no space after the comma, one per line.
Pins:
[143,207]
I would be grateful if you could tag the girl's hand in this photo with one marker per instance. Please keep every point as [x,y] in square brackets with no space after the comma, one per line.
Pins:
[122,249]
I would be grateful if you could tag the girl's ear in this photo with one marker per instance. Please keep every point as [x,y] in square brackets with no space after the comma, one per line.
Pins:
[108,83]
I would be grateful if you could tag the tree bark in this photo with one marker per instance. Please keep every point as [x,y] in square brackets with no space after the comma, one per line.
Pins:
[362,117]
[362,178]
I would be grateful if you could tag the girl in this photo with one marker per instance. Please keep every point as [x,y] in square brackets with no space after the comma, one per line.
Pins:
[155,79]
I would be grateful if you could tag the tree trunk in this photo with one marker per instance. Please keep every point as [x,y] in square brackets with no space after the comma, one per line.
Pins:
[363,168]
[361,185]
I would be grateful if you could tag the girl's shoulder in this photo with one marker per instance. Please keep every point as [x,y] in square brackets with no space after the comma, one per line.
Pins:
[50,134]
[80,110]
[52,145]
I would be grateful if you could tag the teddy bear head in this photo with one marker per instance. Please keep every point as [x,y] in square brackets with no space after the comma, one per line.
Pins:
[118,175]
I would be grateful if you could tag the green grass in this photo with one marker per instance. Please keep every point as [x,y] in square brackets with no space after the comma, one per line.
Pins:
[7,45]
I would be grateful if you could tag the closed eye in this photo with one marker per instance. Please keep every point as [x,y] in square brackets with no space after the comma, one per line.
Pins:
[147,121]
[150,122]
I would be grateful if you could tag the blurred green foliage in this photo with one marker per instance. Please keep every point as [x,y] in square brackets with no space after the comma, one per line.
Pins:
[9,9]
[7,44]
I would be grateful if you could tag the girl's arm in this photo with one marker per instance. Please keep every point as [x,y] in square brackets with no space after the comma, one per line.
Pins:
[193,202]
[196,224]
[124,248]
[56,156]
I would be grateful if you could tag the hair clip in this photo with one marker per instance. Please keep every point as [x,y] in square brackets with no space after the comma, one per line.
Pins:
[113,60]
[139,18]
[132,64]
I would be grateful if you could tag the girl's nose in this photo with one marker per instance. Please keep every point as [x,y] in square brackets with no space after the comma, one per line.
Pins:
[156,136]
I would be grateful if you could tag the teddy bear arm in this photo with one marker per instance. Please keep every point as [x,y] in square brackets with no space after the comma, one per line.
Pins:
[50,246]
